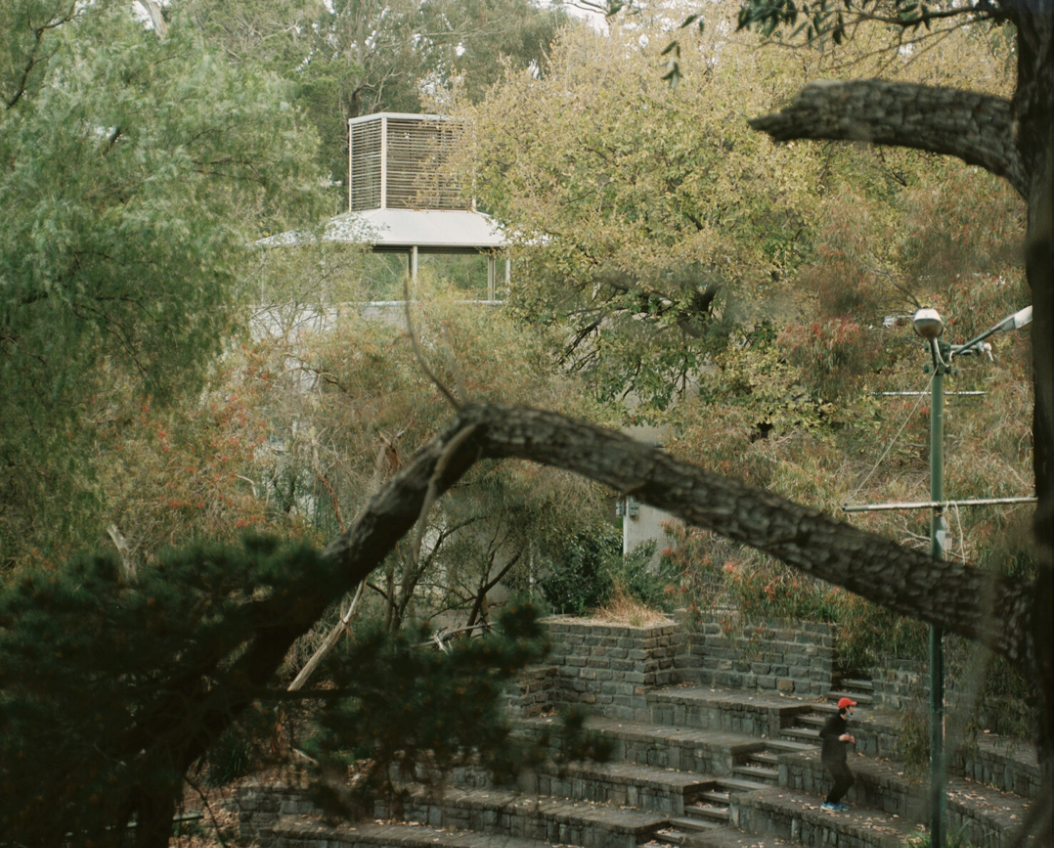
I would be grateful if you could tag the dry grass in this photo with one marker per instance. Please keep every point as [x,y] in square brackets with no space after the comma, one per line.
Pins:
[623,608]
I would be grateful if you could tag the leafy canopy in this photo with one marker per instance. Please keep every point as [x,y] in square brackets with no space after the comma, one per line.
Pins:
[135,174]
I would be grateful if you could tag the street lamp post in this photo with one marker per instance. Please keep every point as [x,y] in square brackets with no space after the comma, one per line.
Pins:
[928,324]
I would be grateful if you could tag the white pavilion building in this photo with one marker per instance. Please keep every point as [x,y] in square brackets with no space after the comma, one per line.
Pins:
[402,199]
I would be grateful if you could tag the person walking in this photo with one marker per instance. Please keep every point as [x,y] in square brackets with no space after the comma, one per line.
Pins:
[836,740]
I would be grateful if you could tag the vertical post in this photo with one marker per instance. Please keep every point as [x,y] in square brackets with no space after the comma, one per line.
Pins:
[384,163]
[938,800]
[413,271]
[490,277]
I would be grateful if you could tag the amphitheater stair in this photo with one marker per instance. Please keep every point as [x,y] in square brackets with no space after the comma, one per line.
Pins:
[558,821]
[664,746]
[800,818]
[646,788]
[710,810]
[981,815]
[804,727]
[687,773]
[722,837]
[861,691]
[302,832]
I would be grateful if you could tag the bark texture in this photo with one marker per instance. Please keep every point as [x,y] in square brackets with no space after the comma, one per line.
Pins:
[976,128]
[1014,140]
[997,611]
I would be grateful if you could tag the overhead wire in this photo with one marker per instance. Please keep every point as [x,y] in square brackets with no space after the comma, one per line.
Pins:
[923,394]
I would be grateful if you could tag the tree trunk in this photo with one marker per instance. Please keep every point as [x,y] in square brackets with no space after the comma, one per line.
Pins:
[1034,109]
[1012,139]
[1001,612]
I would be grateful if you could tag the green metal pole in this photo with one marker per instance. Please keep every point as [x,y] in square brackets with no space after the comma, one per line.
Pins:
[938,795]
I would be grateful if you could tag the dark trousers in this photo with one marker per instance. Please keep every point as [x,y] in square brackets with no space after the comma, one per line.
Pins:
[843,779]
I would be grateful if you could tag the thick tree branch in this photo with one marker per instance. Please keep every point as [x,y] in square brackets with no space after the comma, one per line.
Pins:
[977,128]
[960,598]
[994,610]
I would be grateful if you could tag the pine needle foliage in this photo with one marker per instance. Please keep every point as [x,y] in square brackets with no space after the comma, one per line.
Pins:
[106,681]
[400,711]
[114,685]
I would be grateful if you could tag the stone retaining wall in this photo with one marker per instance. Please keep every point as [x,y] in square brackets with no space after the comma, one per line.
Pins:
[610,668]
[981,817]
[261,805]
[792,658]
[765,812]
[535,692]
[1009,765]
[549,820]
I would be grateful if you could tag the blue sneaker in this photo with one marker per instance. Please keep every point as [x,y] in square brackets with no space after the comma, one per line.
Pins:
[832,807]
[842,807]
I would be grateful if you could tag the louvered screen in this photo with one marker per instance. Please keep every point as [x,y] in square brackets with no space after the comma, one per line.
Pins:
[365,166]
[416,151]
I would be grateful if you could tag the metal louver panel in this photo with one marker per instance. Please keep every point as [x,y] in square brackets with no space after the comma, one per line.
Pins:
[402,162]
[365,150]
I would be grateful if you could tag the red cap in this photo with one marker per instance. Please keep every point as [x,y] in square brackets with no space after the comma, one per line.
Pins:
[846,702]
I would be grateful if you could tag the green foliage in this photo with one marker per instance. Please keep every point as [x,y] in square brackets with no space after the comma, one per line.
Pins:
[822,19]
[351,58]
[231,757]
[136,172]
[398,708]
[648,579]
[581,579]
[592,570]
[648,239]
[106,681]
[374,405]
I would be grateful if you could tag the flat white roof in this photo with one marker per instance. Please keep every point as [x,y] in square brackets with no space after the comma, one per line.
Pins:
[429,230]
[415,116]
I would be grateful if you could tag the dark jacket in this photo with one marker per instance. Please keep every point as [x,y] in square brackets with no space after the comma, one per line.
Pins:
[834,749]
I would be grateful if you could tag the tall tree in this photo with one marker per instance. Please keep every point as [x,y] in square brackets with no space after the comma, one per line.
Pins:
[136,172]
[1011,138]
[255,607]
[356,57]
[667,244]
[352,404]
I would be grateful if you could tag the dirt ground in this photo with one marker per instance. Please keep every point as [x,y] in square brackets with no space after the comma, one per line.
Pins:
[218,825]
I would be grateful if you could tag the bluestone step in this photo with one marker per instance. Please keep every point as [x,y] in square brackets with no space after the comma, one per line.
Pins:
[305,832]
[708,812]
[853,696]
[766,775]
[512,814]
[801,734]
[798,817]
[730,837]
